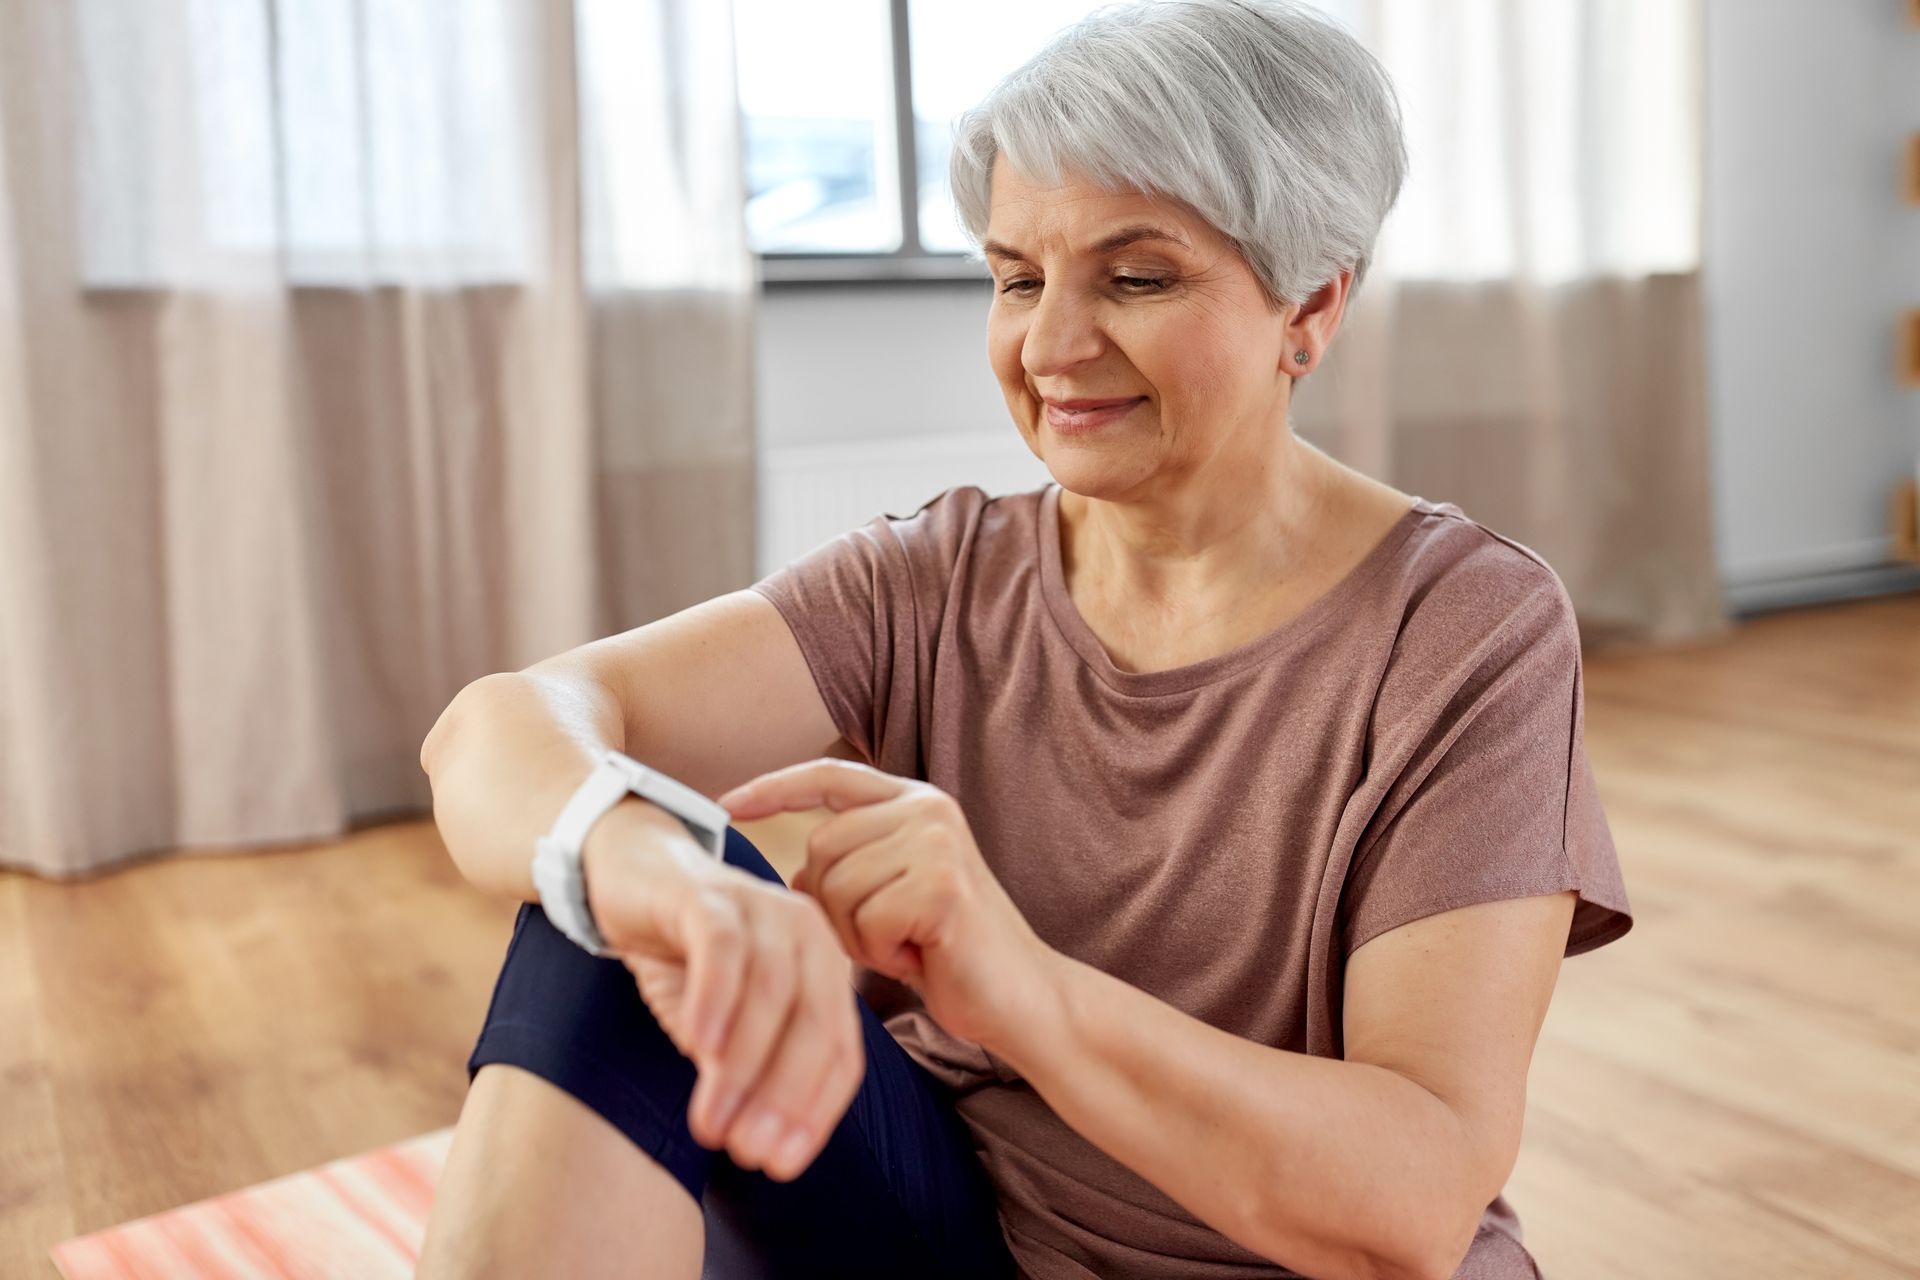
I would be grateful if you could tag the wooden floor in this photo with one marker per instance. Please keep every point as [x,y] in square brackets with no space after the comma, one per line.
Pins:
[1731,1091]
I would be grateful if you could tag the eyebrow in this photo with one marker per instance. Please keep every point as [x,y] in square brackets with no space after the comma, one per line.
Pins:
[1118,240]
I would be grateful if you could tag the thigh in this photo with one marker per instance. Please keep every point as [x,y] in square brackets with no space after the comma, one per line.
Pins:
[897,1190]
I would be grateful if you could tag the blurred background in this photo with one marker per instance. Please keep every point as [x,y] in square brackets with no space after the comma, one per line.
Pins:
[353,349]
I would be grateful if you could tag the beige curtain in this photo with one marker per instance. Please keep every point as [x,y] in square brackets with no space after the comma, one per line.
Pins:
[1529,343]
[347,352]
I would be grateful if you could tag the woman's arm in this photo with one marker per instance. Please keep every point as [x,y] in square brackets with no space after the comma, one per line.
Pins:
[504,757]
[710,696]
[1374,1166]
[747,977]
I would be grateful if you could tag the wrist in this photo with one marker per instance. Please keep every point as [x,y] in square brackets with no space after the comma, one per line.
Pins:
[634,836]
[1039,1016]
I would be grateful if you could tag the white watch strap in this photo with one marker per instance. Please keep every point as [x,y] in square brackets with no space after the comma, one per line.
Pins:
[556,857]
[557,873]
[706,819]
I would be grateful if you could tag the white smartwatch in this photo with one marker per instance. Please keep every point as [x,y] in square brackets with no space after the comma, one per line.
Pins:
[556,855]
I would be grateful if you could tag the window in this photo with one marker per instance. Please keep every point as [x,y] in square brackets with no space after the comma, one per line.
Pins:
[825,90]
[817,123]
[1561,138]
[958,52]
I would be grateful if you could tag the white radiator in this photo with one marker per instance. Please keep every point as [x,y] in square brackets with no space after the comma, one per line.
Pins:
[810,493]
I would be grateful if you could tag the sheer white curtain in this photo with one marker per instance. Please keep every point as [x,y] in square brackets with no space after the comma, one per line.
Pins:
[1529,341]
[348,351]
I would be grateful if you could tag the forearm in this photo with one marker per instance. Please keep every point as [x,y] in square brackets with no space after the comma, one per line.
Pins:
[503,759]
[1332,1168]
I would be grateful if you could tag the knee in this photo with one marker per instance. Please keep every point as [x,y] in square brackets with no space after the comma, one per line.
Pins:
[532,1169]
[743,853]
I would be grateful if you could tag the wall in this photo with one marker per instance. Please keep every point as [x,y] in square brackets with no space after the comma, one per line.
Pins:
[861,372]
[1810,257]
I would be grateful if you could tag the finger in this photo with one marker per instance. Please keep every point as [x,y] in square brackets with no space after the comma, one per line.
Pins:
[825,783]
[842,887]
[832,1091]
[716,948]
[888,922]
[842,835]
[767,1000]
[852,828]
[778,1110]
[719,947]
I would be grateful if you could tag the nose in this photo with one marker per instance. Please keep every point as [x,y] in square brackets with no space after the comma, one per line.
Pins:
[1062,331]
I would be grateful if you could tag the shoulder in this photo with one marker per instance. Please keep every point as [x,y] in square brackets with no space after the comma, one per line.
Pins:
[945,526]
[1471,595]
[955,506]
[1462,574]
[963,503]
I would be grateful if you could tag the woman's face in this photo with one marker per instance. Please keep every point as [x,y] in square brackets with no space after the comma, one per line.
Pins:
[1105,297]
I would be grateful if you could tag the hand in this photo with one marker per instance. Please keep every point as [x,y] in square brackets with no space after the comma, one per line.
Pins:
[747,979]
[909,894]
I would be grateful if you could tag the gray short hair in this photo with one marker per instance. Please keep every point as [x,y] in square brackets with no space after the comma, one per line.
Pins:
[1263,116]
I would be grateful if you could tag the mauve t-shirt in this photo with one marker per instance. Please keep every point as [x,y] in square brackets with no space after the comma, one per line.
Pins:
[1221,835]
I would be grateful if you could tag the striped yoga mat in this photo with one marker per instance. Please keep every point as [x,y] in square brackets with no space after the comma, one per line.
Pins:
[361,1218]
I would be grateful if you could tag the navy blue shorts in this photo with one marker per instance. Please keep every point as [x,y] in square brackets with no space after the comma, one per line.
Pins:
[897,1190]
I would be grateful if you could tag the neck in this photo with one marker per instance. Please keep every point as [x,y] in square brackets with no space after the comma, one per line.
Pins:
[1205,535]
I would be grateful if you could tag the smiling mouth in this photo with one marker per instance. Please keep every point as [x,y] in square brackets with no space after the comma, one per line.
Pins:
[1099,412]
[1080,406]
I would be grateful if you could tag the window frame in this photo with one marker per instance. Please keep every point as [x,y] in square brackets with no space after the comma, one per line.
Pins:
[911,263]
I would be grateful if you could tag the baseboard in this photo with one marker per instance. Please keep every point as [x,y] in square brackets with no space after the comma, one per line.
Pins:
[1825,587]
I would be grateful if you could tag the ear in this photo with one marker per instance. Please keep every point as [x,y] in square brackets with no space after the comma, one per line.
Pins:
[1314,322]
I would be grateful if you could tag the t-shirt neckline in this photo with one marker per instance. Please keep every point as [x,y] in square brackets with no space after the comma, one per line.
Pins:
[1074,629]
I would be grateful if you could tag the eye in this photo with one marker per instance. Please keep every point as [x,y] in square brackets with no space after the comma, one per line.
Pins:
[1127,284]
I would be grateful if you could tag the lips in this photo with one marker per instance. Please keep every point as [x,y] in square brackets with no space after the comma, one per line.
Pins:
[1081,406]
[1087,415]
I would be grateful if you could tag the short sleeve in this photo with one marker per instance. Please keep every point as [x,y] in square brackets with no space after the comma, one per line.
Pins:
[866,609]
[1495,797]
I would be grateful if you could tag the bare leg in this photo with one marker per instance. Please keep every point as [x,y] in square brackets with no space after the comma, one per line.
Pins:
[538,1183]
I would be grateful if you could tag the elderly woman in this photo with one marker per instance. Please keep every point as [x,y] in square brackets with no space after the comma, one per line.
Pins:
[1204,829]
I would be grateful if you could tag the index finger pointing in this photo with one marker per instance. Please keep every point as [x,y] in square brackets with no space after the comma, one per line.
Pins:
[825,783]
